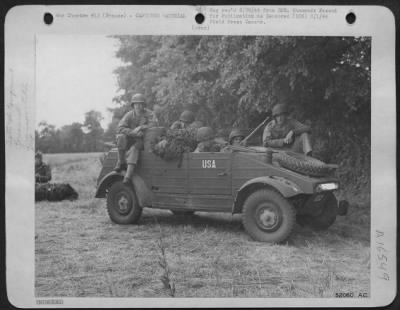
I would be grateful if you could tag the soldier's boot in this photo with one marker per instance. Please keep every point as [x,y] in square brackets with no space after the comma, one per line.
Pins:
[121,163]
[129,174]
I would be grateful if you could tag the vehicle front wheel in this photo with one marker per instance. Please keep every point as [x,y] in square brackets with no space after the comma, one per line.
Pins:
[268,217]
[122,205]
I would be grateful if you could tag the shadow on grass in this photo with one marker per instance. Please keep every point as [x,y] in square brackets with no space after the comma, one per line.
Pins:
[217,221]
[349,227]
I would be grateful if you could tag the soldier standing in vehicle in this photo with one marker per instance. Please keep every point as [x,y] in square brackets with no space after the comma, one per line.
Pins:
[186,120]
[130,135]
[42,171]
[286,133]
[206,142]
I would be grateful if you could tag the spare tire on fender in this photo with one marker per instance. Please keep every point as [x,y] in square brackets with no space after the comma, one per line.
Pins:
[303,164]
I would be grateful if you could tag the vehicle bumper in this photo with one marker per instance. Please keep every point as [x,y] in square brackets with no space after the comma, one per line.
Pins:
[317,202]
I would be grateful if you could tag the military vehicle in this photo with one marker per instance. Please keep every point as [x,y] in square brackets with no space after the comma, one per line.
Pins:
[271,189]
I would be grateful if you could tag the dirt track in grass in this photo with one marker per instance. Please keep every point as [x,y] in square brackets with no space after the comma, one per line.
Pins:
[79,252]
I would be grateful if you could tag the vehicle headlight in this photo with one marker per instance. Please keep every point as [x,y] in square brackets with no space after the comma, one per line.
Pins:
[326,187]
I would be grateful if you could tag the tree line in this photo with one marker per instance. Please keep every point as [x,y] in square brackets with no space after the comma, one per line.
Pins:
[88,136]
[231,81]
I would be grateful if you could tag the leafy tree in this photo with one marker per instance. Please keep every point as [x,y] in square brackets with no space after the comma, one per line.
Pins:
[94,130]
[72,138]
[231,81]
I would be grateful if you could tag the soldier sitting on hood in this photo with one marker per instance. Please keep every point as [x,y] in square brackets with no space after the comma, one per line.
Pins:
[42,171]
[206,142]
[286,133]
[130,135]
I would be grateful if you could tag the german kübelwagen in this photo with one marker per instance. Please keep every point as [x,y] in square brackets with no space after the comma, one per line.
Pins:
[271,189]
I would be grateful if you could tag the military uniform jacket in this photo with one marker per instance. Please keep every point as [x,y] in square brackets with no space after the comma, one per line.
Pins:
[42,173]
[274,134]
[131,120]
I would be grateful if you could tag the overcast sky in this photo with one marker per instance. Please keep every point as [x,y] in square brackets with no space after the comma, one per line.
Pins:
[74,76]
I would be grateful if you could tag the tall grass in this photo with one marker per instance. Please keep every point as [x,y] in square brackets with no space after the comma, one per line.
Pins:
[81,253]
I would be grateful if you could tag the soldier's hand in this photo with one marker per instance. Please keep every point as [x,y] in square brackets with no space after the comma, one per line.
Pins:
[140,134]
[162,144]
[134,132]
[289,137]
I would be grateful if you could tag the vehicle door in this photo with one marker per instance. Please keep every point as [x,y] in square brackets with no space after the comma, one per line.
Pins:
[209,174]
[166,179]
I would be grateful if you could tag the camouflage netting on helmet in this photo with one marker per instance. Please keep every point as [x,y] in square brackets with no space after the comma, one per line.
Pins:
[174,143]
[54,192]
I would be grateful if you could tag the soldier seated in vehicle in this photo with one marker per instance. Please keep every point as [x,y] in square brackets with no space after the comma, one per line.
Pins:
[235,138]
[206,142]
[130,135]
[42,171]
[186,120]
[286,133]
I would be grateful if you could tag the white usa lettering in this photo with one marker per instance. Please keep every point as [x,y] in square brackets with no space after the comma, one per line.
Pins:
[208,163]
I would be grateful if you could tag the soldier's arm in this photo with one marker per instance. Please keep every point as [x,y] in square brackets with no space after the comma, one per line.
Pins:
[123,125]
[199,148]
[267,138]
[299,128]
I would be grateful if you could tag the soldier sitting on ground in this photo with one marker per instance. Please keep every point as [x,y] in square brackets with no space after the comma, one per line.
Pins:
[206,142]
[235,138]
[286,133]
[42,171]
[130,135]
[186,120]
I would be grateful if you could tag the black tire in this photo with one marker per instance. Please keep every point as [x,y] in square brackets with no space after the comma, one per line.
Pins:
[122,205]
[182,212]
[325,218]
[304,164]
[268,217]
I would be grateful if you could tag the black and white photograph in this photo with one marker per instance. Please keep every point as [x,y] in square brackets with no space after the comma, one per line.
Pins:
[201,166]
[254,166]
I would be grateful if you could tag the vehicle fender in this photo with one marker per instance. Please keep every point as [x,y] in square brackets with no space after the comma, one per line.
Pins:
[142,192]
[106,183]
[284,186]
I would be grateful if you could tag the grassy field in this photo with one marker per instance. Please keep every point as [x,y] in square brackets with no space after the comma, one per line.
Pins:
[81,253]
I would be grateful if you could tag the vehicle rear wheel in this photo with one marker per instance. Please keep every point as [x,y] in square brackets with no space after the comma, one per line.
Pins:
[122,205]
[325,218]
[268,217]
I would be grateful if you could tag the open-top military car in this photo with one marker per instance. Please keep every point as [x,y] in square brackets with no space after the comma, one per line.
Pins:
[257,182]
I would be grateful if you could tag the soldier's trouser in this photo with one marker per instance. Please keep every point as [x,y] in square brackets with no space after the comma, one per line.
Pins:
[130,144]
[301,144]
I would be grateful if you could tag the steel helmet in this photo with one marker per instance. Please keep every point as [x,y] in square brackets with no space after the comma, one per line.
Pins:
[279,109]
[39,155]
[236,133]
[187,116]
[204,134]
[137,98]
